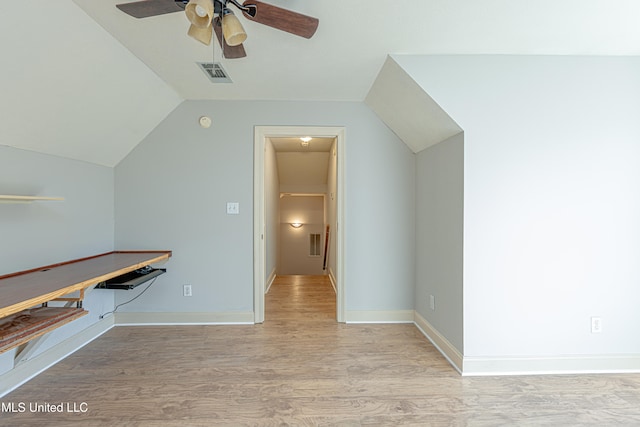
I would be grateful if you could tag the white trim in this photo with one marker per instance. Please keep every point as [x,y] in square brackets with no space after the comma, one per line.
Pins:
[332,279]
[392,316]
[259,250]
[270,280]
[184,318]
[28,369]
[552,365]
[443,345]
[528,365]
[467,366]
[340,232]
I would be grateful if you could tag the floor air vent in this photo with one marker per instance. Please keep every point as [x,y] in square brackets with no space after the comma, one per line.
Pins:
[215,72]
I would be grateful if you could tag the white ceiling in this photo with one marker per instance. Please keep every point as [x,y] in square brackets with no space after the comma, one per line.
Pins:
[354,37]
[69,90]
[90,86]
[408,110]
[302,167]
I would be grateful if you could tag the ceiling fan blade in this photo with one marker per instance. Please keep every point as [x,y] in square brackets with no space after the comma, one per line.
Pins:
[148,8]
[231,52]
[281,19]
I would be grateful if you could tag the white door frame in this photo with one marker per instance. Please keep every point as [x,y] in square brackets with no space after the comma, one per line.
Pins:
[261,133]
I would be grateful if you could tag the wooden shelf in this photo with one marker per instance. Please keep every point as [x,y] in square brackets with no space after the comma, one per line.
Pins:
[24,324]
[25,289]
[26,199]
[27,325]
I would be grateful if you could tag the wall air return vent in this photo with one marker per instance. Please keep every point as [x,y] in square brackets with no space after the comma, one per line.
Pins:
[215,72]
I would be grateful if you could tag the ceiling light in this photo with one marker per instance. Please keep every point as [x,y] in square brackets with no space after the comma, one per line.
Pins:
[232,29]
[200,12]
[305,141]
[203,35]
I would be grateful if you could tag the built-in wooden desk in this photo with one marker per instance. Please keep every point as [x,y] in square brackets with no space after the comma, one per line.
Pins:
[20,292]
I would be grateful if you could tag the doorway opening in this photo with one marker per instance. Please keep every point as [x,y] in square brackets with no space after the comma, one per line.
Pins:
[273,144]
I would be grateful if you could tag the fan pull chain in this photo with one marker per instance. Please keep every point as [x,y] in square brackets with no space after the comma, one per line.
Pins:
[215,39]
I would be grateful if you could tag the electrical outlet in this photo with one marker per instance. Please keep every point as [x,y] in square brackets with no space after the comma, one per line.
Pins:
[186,291]
[432,302]
[596,325]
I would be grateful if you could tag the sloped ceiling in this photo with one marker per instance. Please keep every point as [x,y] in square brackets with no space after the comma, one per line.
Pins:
[81,79]
[300,166]
[354,37]
[69,89]
[408,110]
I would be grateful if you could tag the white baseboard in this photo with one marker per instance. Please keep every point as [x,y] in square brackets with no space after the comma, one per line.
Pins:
[528,365]
[443,345]
[332,279]
[467,366]
[28,369]
[393,316]
[184,318]
[270,280]
[537,365]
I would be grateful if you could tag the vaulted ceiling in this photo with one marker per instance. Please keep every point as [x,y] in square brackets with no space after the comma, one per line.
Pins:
[81,79]
[343,58]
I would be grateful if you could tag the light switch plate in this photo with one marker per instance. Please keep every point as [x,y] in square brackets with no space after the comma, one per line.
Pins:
[233,208]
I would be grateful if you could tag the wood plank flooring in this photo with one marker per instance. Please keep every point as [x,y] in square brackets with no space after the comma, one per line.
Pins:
[301,368]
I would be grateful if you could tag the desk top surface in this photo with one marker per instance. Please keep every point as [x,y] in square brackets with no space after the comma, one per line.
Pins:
[22,290]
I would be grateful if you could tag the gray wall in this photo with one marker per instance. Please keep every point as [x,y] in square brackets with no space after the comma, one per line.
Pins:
[42,233]
[551,207]
[172,189]
[439,233]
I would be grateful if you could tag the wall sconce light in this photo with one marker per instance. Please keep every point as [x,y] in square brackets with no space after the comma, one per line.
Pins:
[296,224]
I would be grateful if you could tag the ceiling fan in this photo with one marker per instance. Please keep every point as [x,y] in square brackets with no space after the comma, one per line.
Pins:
[214,16]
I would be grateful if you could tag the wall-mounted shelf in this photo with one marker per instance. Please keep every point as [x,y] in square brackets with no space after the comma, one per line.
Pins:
[26,199]
[22,322]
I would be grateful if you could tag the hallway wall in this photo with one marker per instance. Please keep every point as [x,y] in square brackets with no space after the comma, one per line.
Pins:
[294,257]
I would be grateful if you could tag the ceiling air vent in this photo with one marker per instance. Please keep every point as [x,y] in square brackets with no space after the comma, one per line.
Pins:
[215,72]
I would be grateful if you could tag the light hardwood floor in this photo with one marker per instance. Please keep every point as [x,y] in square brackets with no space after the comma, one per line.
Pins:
[302,368]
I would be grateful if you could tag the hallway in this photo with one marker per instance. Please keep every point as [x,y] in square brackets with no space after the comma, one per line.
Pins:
[300,299]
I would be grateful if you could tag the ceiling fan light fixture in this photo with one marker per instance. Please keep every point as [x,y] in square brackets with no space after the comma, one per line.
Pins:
[232,29]
[203,35]
[200,12]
